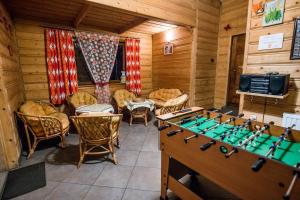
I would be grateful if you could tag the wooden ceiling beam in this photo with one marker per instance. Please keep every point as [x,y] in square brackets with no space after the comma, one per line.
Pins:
[84,10]
[132,25]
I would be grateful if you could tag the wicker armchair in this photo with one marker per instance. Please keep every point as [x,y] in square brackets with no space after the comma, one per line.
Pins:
[80,99]
[173,105]
[97,134]
[161,96]
[43,122]
[122,95]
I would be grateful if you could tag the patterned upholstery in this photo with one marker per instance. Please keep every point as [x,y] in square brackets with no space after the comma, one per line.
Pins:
[121,96]
[161,96]
[81,98]
[43,122]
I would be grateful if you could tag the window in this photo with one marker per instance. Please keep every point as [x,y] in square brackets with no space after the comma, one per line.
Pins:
[83,74]
[119,63]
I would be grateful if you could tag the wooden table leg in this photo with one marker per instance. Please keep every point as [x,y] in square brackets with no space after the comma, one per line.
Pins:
[164,175]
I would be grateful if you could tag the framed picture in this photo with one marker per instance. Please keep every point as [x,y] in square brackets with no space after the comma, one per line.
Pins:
[168,49]
[295,51]
[273,12]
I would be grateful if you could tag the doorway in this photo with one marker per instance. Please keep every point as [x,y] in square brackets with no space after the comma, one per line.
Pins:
[235,69]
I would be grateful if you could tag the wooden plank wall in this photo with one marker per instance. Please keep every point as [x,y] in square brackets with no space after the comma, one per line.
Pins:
[272,60]
[207,44]
[234,13]
[30,37]
[176,11]
[11,94]
[172,71]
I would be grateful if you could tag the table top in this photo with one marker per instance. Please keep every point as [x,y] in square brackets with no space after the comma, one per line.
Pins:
[106,108]
[131,105]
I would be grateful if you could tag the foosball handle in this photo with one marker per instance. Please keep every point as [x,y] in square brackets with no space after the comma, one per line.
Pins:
[258,164]
[286,196]
[207,145]
[164,127]
[172,133]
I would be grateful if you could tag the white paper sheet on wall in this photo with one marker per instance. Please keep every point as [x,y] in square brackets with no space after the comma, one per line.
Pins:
[274,41]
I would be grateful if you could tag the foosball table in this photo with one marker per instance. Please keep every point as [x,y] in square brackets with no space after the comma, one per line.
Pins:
[250,159]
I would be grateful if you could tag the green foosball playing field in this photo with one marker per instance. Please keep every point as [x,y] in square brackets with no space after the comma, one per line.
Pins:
[288,152]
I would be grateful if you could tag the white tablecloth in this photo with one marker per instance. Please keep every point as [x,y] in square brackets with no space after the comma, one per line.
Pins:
[105,108]
[134,105]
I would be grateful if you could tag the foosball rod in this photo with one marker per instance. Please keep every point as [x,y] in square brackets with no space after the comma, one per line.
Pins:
[196,134]
[291,186]
[219,116]
[212,142]
[261,161]
[257,133]
[245,124]
[185,120]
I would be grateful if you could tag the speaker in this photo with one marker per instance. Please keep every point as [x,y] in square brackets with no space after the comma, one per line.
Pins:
[245,80]
[279,84]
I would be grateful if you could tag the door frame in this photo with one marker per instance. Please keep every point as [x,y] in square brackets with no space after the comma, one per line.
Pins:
[228,66]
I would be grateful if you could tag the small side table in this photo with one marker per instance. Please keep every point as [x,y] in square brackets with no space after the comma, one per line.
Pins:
[140,110]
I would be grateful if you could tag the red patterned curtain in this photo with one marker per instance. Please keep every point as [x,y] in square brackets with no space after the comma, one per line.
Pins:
[133,67]
[62,69]
[99,51]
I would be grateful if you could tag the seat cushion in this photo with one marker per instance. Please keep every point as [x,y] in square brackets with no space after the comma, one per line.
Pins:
[32,108]
[165,94]
[62,117]
[48,109]
[123,95]
[82,98]
[179,100]
[158,103]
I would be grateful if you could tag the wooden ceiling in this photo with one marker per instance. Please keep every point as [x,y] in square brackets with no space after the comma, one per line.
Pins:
[77,13]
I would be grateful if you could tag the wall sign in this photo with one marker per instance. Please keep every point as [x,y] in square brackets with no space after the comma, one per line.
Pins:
[295,52]
[274,41]
[273,12]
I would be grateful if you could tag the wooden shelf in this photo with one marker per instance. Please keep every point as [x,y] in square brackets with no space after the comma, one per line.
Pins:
[263,95]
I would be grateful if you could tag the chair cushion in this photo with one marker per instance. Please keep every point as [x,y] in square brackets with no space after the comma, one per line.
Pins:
[165,94]
[48,109]
[176,101]
[123,95]
[32,108]
[41,110]
[62,117]
[82,98]
[158,103]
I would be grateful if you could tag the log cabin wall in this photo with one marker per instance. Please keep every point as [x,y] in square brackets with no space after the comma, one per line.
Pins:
[172,71]
[30,37]
[234,14]
[175,11]
[208,15]
[11,93]
[272,60]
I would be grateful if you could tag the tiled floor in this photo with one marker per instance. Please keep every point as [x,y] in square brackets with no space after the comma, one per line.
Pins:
[137,176]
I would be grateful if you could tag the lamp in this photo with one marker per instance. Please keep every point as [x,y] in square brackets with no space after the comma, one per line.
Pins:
[168,47]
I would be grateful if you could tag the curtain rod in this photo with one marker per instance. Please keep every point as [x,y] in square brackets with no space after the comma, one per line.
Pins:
[73,29]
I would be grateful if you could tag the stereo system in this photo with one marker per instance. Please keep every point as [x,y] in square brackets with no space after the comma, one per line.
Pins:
[270,83]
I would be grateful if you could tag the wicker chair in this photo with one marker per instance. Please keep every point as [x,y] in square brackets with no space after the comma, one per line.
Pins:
[80,99]
[97,134]
[173,105]
[120,96]
[43,122]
